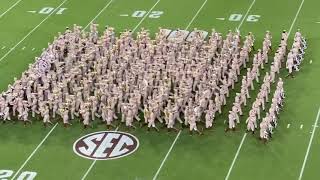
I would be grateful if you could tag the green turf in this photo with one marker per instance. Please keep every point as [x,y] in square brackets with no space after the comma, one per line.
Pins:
[193,157]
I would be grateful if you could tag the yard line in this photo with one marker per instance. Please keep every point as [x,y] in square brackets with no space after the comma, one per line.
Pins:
[10,8]
[92,164]
[194,17]
[245,134]
[34,151]
[5,55]
[103,9]
[178,135]
[167,155]
[236,156]
[246,14]
[56,123]
[309,146]
[135,28]
[87,172]
[295,18]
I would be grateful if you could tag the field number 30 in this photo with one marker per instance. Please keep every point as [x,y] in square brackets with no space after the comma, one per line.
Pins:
[238,17]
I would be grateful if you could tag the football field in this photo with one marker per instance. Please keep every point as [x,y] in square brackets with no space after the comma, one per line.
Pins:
[36,152]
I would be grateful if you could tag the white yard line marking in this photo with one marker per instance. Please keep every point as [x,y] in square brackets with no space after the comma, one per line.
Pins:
[33,49]
[245,16]
[178,135]
[10,8]
[167,155]
[295,18]
[56,123]
[23,48]
[221,19]
[288,126]
[309,146]
[92,164]
[32,11]
[245,134]
[5,55]
[301,126]
[34,151]
[288,35]
[194,17]
[103,9]
[87,172]
[135,28]
[124,15]
[3,47]
[236,156]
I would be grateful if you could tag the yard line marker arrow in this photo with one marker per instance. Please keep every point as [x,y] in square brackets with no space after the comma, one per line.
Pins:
[222,19]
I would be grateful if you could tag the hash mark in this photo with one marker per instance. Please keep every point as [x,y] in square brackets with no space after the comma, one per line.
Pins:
[288,125]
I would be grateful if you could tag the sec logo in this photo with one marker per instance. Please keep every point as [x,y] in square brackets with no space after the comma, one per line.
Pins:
[106,145]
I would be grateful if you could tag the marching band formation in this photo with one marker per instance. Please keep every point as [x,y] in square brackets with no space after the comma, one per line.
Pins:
[154,81]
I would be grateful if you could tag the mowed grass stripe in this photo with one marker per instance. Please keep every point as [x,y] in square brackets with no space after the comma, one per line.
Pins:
[205,143]
[95,174]
[34,135]
[253,153]
[302,96]
[5,5]
[309,95]
[178,135]
[29,33]
[77,130]
[18,23]
[11,7]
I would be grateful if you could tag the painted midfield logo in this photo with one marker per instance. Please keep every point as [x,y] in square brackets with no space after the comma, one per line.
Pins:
[105,145]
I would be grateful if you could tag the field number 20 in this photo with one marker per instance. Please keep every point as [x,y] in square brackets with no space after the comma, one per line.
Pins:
[26,175]
[153,14]
[238,17]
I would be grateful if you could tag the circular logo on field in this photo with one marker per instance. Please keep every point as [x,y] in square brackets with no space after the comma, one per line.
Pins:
[106,145]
